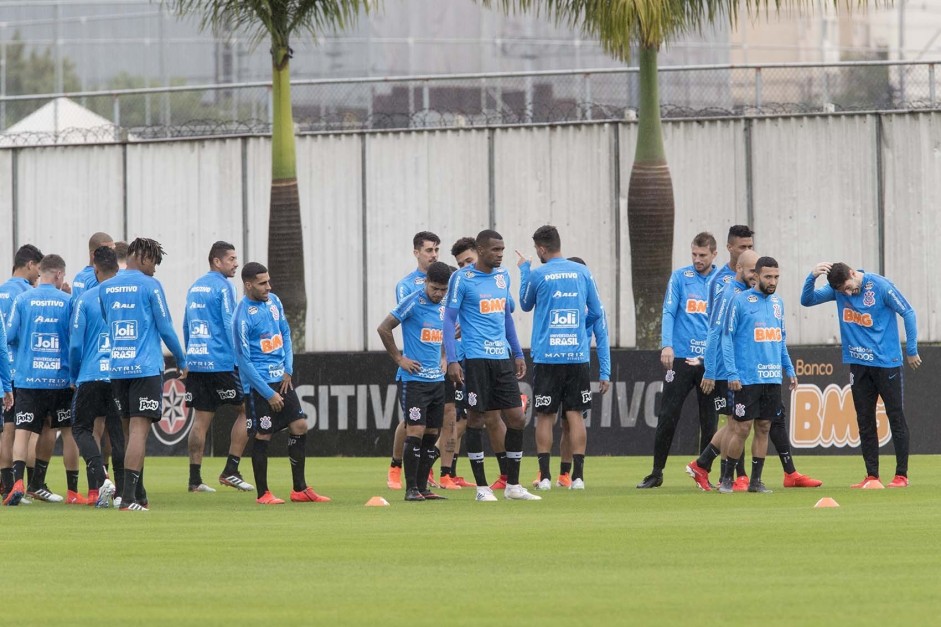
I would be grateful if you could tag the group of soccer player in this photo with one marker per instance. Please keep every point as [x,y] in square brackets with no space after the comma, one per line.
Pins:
[86,360]
[462,362]
[723,333]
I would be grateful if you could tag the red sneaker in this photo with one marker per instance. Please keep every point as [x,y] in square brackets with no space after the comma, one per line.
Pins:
[499,484]
[868,480]
[307,495]
[269,499]
[700,476]
[74,498]
[900,481]
[797,480]
[460,481]
[740,484]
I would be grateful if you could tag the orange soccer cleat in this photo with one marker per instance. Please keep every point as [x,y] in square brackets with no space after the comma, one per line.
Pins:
[394,478]
[700,476]
[741,484]
[74,498]
[307,495]
[269,499]
[797,480]
[900,481]
[867,482]
[447,483]
[564,480]
[499,484]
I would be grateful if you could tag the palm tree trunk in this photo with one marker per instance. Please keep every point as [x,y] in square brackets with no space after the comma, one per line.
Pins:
[285,238]
[650,210]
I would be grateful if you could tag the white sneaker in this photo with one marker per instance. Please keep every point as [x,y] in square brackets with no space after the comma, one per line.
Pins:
[485,494]
[117,502]
[105,492]
[519,493]
[577,484]
[545,484]
[202,487]
[47,495]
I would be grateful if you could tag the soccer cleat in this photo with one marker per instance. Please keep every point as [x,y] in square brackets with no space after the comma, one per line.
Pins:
[463,483]
[43,493]
[412,494]
[726,486]
[564,480]
[235,481]
[202,487]
[105,492]
[26,501]
[741,484]
[431,496]
[519,493]
[759,486]
[537,479]
[543,484]
[117,502]
[653,480]
[577,484]
[394,478]
[431,480]
[485,494]
[900,481]
[307,495]
[797,480]
[867,480]
[269,499]
[499,484]
[700,475]
[447,483]
[92,497]
[17,492]
[134,507]
[74,498]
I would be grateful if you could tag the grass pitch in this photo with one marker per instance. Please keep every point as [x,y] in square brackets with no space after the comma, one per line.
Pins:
[609,555]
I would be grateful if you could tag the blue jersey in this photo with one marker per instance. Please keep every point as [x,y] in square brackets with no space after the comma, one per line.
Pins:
[868,330]
[207,324]
[83,281]
[135,310]
[11,288]
[754,343]
[38,332]
[599,327]
[414,281]
[263,348]
[6,380]
[684,312]
[422,332]
[722,277]
[561,292]
[483,302]
[89,341]
[718,319]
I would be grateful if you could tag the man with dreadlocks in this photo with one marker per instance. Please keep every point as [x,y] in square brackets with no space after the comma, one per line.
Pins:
[135,309]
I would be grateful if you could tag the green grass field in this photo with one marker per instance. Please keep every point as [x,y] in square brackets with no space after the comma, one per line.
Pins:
[609,555]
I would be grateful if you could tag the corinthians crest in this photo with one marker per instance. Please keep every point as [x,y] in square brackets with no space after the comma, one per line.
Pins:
[501,281]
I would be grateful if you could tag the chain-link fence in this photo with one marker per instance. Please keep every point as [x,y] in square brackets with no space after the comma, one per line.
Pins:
[476,100]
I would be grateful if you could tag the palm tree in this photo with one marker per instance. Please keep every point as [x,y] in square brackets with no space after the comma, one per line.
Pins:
[278,21]
[623,26]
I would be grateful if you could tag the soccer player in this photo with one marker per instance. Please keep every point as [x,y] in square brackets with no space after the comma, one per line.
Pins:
[480,295]
[425,247]
[715,382]
[561,292]
[212,381]
[90,373]
[38,332]
[265,359]
[25,274]
[420,377]
[683,342]
[754,348]
[120,249]
[85,279]
[866,306]
[740,239]
[135,310]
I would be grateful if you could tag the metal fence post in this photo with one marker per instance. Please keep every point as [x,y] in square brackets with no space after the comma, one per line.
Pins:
[758,88]
[931,85]
[116,110]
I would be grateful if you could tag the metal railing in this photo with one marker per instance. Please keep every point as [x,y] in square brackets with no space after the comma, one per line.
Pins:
[473,100]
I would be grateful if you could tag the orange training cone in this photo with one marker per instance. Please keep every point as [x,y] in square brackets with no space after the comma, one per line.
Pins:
[377,501]
[826,502]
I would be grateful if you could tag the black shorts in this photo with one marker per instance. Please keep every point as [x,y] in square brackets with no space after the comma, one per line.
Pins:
[422,403]
[459,404]
[490,384]
[93,399]
[260,418]
[761,401]
[33,406]
[142,396]
[722,398]
[561,385]
[207,391]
